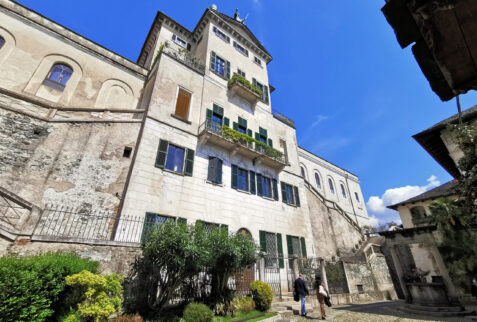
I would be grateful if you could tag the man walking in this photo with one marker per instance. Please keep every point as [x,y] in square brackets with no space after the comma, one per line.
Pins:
[302,291]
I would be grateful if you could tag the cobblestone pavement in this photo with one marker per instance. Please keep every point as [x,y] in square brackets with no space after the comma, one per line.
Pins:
[382,311]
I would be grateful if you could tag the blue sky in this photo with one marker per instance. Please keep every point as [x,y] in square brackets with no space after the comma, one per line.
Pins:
[356,97]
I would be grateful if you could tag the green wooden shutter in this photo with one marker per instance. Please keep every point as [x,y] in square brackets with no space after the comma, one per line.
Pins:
[208,117]
[218,110]
[212,61]
[263,241]
[226,122]
[265,94]
[262,131]
[162,154]
[270,143]
[218,170]
[189,162]
[250,133]
[242,122]
[289,245]
[148,226]
[257,136]
[227,69]
[181,220]
[275,189]
[281,262]
[254,82]
[297,196]
[235,126]
[252,183]
[259,185]
[211,172]
[284,192]
[234,176]
[303,247]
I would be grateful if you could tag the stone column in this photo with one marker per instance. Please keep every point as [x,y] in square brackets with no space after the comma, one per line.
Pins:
[323,272]
[400,272]
[296,271]
[261,269]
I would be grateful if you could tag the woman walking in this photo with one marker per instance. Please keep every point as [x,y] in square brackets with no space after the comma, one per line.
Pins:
[321,294]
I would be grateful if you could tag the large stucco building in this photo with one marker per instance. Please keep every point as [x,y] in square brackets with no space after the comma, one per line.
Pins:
[187,132]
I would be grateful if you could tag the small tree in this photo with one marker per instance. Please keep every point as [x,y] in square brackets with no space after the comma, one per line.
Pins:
[228,253]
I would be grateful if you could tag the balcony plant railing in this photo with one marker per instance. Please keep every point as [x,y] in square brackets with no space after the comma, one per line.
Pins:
[242,138]
[182,55]
[236,78]
[282,118]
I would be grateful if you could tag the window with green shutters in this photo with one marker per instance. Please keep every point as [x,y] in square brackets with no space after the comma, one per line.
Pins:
[290,194]
[209,226]
[175,158]
[252,182]
[275,189]
[270,244]
[215,118]
[215,170]
[150,221]
[219,65]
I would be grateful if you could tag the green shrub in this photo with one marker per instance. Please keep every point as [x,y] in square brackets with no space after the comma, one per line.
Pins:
[262,295]
[101,295]
[247,304]
[196,312]
[31,287]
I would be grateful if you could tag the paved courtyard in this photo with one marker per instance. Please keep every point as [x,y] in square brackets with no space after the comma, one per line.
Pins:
[381,311]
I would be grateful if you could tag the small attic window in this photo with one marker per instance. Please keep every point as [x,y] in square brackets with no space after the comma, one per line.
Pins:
[58,76]
[181,42]
[258,61]
[221,35]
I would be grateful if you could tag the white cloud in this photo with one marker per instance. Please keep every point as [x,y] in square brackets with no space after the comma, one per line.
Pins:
[377,205]
[319,118]
[374,221]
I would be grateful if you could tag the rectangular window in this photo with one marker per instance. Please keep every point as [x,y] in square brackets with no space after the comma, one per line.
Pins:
[221,35]
[257,61]
[240,73]
[219,65]
[150,221]
[179,41]
[240,49]
[242,125]
[215,170]
[290,194]
[283,146]
[182,104]
[242,179]
[266,187]
[360,288]
[175,158]
[356,196]
[209,226]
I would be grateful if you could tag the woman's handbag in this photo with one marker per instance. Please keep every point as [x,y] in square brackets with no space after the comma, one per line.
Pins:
[328,301]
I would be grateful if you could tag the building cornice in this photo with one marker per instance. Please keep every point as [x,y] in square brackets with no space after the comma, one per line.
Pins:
[17,10]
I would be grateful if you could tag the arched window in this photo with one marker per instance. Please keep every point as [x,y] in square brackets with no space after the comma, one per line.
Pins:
[418,212]
[332,187]
[343,191]
[356,196]
[302,172]
[317,180]
[2,42]
[58,76]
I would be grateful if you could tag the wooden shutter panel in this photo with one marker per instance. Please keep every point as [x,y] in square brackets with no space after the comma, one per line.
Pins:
[250,133]
[218,110]
[262,131]
[257,136]
[281,262]
[259,185]
[235,125]
[275,189]
[242,122]
[212,60]
[265,94]
[290,245]
[270,143]
[303,247]
[297,196]
[208,116]
[252,183]
[284,192]
[173,37]
[234,176]
[211,173]
[214,28]
[148,226]
[218,171]
[227,69]
[188,46]
[181,220]
[189,162]
[263,241]
[226,122]
[162,154]
[254,82]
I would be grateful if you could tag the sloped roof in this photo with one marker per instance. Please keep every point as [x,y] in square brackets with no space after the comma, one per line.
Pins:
[431,141]
[447,189]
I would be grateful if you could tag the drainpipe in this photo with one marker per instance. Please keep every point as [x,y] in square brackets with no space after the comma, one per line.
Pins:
[351,199]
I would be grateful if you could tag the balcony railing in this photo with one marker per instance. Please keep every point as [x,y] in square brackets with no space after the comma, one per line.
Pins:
[282,118]
[242,139]
[244,88]
[182,55]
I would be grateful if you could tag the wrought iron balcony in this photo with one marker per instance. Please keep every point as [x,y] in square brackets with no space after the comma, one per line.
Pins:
[241,143]
[242,87]
[182,55]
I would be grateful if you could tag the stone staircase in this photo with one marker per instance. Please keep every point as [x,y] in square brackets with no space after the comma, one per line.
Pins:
[287,308]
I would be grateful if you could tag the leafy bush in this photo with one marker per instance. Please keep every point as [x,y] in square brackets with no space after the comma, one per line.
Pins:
[101,295]
[196,312]
[31,287]
[247,304]
[262,295]
[234,306]
[246,83]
